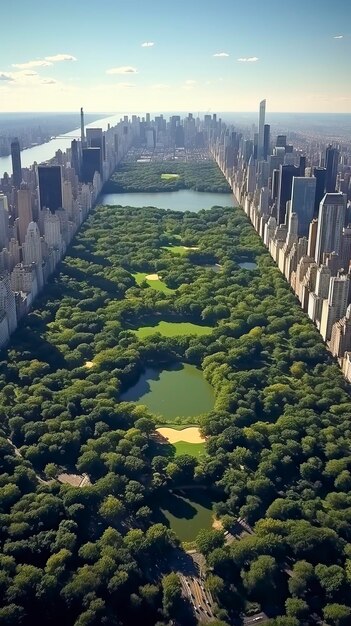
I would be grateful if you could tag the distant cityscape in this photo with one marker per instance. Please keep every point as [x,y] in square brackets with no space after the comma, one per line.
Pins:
[297,195]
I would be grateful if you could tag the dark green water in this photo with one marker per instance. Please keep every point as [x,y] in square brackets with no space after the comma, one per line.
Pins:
[178,391]
[187,512]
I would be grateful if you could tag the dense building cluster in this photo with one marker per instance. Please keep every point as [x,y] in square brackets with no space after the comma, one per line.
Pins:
[42,207]
[299,203]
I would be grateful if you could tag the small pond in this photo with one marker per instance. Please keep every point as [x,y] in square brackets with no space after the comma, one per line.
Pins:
[186,512]
[248,265]
[177,391]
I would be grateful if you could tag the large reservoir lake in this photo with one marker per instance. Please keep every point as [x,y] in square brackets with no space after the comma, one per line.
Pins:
[176,391]
[183,200]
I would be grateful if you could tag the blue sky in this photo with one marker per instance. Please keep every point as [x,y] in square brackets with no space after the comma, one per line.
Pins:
[58,56]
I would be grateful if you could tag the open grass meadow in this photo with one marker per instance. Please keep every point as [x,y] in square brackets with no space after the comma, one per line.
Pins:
[159,285]
[169,176]
[176,249]
[173,329]
[193,449]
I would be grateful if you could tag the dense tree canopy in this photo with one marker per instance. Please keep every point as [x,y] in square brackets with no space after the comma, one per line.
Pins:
[277,439]
[147,177]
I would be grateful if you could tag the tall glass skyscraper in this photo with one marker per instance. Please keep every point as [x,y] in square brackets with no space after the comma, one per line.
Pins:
[16,163]
[302,202]
[261,122]
[50,187]
[331,221]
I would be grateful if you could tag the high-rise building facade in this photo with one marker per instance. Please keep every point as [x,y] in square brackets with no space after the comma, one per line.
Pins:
[281,141]
[261,123]
[331,164]
[302,202]
[334,308]
[331,219]
[24,208]
[32,245]
[320,174]
[91,163]
[287,173]
[50,187]
[16,163]
[4,222]
[266,141]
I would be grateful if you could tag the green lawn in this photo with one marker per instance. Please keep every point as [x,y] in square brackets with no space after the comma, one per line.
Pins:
[194,449]
[179,249]
[159,285]
[173,329]
[169,176]
[176,249]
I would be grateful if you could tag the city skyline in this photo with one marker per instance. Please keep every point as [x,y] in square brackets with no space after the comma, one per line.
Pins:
[196,59]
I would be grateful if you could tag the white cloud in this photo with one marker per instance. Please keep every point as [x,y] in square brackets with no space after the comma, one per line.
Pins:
[5,76]
[49,81]
[147,44]
[338,37]
[60,57]
[29,64]
[123,69]
[159,86]
[248,59]
[190,82]
[221,54]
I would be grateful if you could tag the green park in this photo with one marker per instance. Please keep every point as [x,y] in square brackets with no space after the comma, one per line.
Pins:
[175,396]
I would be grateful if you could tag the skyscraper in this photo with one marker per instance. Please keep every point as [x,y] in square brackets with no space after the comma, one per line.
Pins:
[75,156]
[91,163]
[331,164]
[31,248]
[287,173]
[24,207]
[95,139]
[302,202]
[16,163]
[281,141]
[82,137]
[319,173]
[266,141]
[4,222]
[331,221]
[345,255]
[50,187]
[261,123]
[334,308]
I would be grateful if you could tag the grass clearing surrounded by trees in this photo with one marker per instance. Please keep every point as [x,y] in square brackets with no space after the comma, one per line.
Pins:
[157,284]
[173,329]
[194,449]
[169,176]
[182,250]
